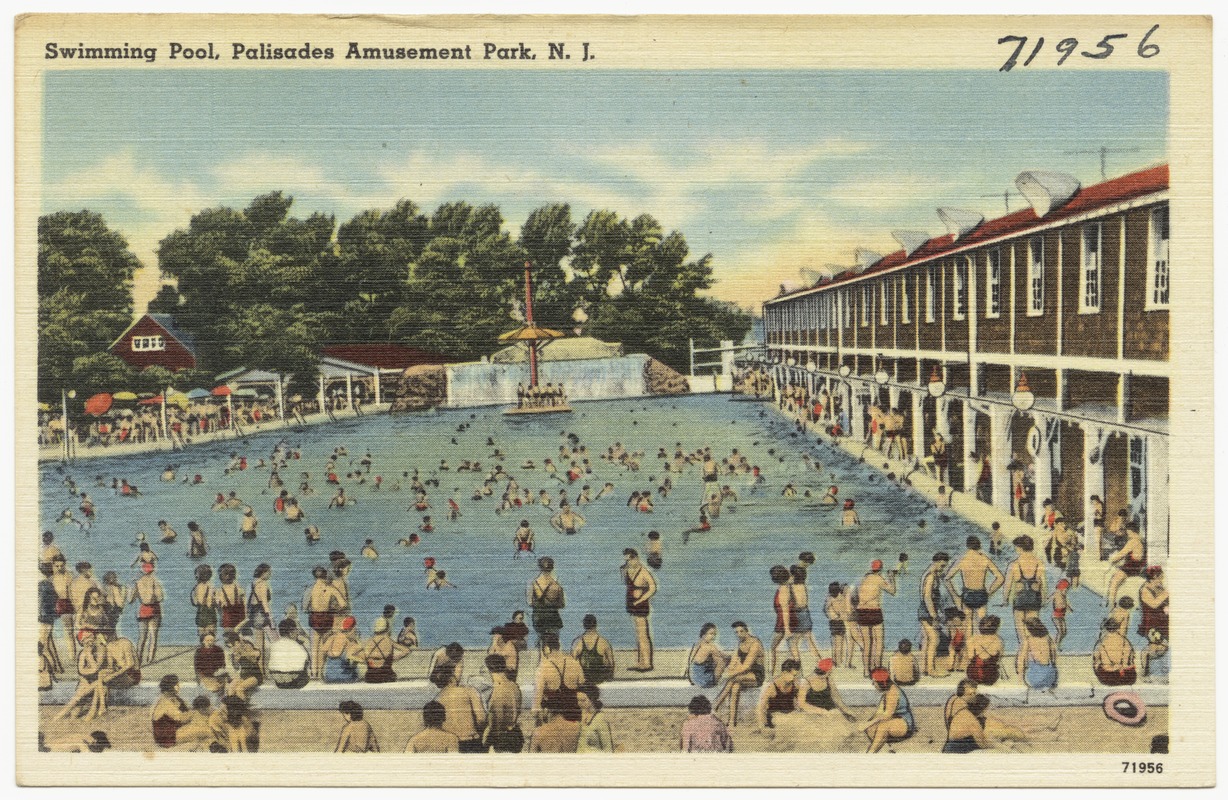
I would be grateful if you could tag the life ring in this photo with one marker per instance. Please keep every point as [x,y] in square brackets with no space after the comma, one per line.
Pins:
[1126,708]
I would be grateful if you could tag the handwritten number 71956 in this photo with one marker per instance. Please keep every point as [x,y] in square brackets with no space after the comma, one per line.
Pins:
[1068,46]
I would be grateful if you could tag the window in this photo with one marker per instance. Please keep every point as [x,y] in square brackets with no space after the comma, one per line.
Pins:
[905,314]
[142,343]
[884,301]
[1089,275]
[930,294]
[960,290]
[993,283]
[1157,297]
[1036,276]
[865,306]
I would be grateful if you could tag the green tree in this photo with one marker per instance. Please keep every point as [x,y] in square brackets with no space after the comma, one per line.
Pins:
[85,274]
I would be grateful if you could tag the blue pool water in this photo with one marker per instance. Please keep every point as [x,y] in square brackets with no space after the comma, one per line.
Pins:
[717,576]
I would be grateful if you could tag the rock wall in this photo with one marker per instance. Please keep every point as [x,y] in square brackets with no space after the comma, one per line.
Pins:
[422,387]
[664,380]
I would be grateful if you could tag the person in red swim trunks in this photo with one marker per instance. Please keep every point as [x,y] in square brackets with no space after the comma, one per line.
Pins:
[323,601]
[868,613]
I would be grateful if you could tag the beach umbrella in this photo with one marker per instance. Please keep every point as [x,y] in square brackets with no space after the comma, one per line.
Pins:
[198,394]
[528,333]
[178,399]
[98,405]
[220,391]
[245,393]
[124,396]
[151,401]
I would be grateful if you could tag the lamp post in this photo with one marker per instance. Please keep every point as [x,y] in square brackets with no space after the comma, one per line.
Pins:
[64,397]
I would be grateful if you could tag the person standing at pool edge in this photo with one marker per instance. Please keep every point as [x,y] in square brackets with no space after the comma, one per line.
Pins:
[640,588]
[869,613]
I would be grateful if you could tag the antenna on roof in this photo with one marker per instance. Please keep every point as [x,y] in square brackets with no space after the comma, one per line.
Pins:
[1103,152]
[1006,198]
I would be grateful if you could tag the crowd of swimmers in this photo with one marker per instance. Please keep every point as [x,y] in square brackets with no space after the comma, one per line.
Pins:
[548,396]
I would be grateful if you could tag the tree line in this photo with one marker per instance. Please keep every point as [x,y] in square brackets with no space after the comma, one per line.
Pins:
[261,288]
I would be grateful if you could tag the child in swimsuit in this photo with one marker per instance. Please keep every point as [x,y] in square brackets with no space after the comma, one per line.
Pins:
[1061,607]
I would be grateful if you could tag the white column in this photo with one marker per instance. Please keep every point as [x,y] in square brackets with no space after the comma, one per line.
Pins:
[281,405]
[1000,454]
[1093,484]
[349,391]
[378,395]
[1043,467]
[972,467]
[322,407]
[857,423]
[1157,499]
[920,436]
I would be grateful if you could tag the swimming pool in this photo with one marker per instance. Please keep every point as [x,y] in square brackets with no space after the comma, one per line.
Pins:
[718,576]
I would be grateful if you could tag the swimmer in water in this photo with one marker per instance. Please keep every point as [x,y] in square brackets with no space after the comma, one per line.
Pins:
[523,539]
[368,550]
[413,541]
[312,534]
[426,526]
[849,517]
[829,499]
[605,490]
[567,521]
[789,492]
[441,581]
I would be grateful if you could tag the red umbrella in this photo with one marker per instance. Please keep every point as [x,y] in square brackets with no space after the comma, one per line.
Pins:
[221,391]
[98,405]
[152,401]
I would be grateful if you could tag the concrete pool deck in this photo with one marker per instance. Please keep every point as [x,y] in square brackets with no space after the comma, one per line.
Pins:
[662,688]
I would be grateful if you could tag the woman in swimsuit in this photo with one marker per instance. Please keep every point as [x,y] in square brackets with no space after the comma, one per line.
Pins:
[779,696]
[342,652]
[546,598]
[230,598]
[1025,586]
[1037,660]
[169,713]
[260,603]
[558,678]
[801,607]
[821,696]
[208,661]
[966,728]
[1061,607]
[114,599]
[706,662]
[986,650]
[1153,602]
[93,611]
[834,607]
[786,615]
[1129,562]
[204,599]
[893,720]
[381,651]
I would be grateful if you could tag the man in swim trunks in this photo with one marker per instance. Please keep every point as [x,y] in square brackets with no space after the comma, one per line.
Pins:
[640,588]
[868,613]
[323,601]
[974,596]
[745,670]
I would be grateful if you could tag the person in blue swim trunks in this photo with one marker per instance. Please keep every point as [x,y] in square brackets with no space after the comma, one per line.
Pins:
[973,570]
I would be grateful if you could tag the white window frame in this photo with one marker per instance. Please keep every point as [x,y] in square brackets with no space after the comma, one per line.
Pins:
[1036,276]
[959,288]
[1158,274]
[846,302]
[1091,270]
[931,294]
[905,309]
[884,303]
[993,283]
[865,305]
[147,344]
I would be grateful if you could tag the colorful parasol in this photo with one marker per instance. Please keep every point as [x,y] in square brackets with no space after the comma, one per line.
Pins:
[98,405]
[221,391]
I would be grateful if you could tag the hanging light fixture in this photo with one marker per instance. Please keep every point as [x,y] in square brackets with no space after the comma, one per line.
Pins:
[936,387]
[845,370]
[881,376]
[1023,399]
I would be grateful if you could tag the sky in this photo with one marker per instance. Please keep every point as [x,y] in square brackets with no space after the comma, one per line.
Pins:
[771,172]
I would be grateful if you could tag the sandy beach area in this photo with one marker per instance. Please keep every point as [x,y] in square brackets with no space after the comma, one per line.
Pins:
[1080,729]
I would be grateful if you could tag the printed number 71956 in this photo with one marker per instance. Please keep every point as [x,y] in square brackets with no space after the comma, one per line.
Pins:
[1068,46]
[1156,767]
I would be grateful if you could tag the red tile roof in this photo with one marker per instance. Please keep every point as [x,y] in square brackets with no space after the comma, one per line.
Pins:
[1087,199]
[383,356]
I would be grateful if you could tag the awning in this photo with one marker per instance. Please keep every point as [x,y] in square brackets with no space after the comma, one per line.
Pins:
[124,396]
[220,391]
[528,333]
[198,394]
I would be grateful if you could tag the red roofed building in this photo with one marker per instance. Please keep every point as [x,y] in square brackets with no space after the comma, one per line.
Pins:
[155,341]
[1035,345]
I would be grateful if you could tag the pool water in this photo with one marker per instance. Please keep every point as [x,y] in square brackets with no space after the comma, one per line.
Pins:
[717,576]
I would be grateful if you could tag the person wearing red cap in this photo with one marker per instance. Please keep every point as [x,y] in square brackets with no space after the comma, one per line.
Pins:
[149,593]
[1061,607]
[848,517]
[893,720]
[821,696]
[342,652]
[868,613]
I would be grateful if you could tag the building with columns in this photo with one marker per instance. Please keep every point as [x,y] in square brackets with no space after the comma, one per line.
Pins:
[1038,342]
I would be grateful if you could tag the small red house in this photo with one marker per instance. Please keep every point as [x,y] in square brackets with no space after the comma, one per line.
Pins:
[153,340]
